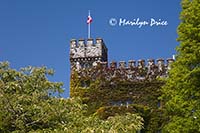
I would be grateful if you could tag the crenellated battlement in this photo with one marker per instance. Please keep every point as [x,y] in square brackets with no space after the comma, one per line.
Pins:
[141,63]
[87,51]
[160,63]
[87,48]
[132,70]
[86,42]
[89,58]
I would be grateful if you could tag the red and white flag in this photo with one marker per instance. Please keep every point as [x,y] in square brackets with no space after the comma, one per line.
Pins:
[89,20]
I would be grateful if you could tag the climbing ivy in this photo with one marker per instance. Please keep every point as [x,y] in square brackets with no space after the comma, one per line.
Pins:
[118,96]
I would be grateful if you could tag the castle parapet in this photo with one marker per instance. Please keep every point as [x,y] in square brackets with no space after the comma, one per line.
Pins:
[169,62]
[86,42]
[133,72]
[141,70]
[113,65]
[99,40]
[151,62]
[86,54]
[73,43]
[88,49]
[81,42]
[104,64]
[141,64]
[122,64]
[90,42]
[131,63]
[160,64]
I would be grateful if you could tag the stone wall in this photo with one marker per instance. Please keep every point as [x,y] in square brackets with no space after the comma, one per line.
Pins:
[85,53]
[87,48]
[132,71]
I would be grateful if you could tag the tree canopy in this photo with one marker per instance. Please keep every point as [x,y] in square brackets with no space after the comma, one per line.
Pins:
[27,104]
[182,89]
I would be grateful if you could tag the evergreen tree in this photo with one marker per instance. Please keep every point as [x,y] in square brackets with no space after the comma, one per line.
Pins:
[182,89]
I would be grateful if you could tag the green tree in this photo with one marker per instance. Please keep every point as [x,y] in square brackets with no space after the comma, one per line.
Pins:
[92,124]
[27,105]
[182,89]
[25,101]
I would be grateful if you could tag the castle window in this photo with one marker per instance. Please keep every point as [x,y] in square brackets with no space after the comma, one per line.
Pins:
[85,84]
[82,65]
[116,103]
[158,104]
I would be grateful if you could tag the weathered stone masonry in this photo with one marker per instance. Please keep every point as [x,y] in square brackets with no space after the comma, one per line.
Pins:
[86,54]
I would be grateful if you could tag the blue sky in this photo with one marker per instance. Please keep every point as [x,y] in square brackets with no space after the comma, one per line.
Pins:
[38,32]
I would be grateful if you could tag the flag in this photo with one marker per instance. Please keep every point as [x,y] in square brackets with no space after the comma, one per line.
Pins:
[89,20]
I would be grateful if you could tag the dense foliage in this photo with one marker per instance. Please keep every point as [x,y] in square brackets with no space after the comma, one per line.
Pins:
[118,96]
[27,104]
[182,89]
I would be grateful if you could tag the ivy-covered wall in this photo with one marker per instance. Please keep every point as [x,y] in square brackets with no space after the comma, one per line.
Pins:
[116,96]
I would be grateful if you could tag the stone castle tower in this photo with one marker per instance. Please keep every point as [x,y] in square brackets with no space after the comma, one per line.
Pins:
[87,53]
[117,88]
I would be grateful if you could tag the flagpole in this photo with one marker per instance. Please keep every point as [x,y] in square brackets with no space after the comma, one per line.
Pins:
[89,25]
[89,30]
